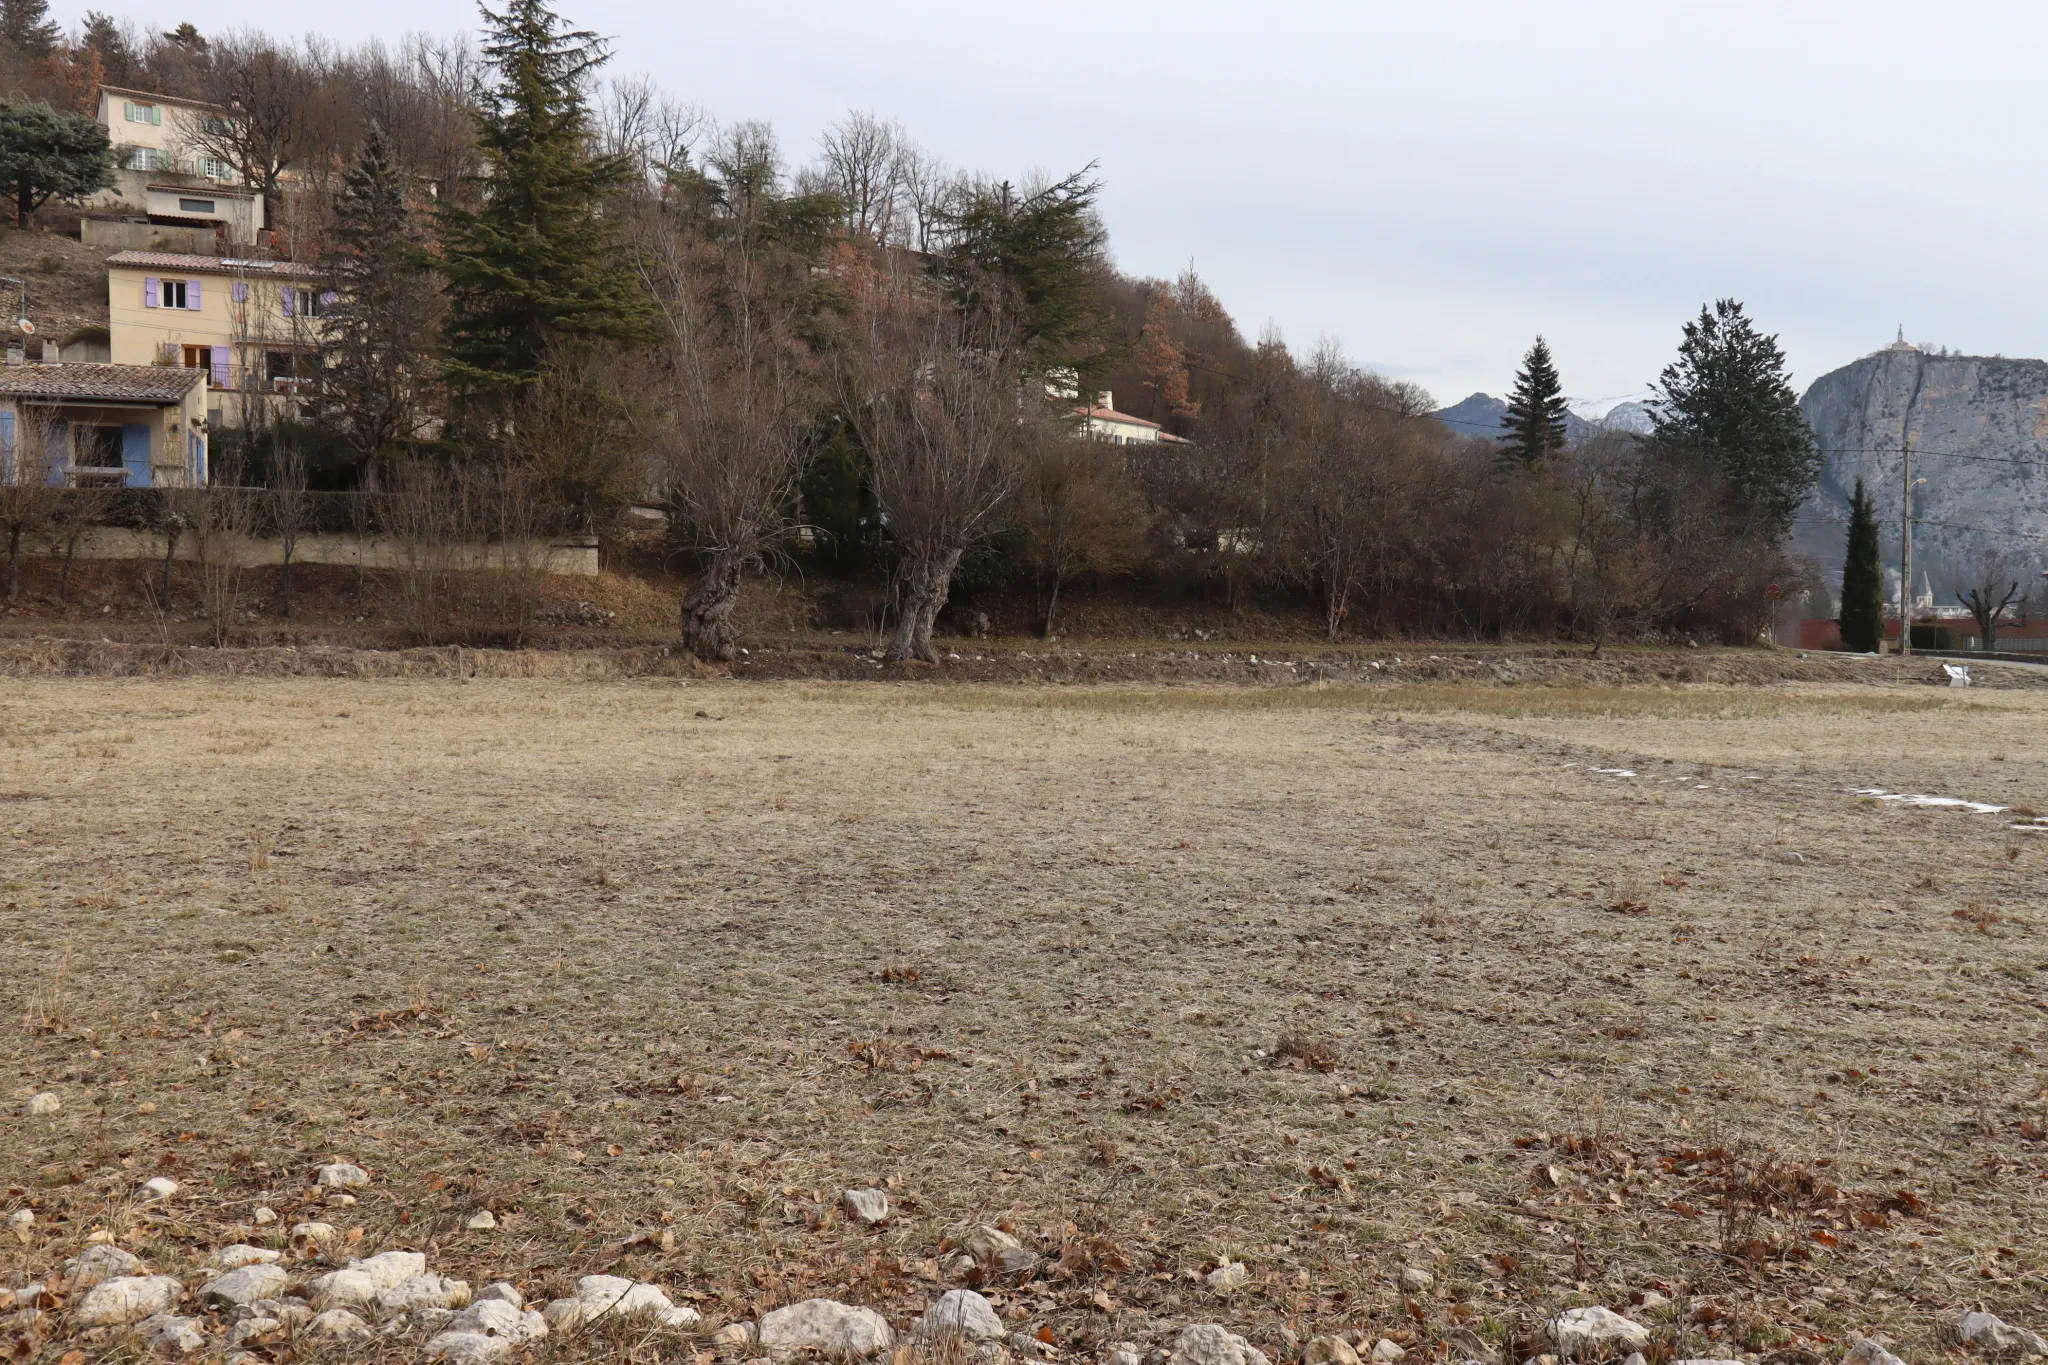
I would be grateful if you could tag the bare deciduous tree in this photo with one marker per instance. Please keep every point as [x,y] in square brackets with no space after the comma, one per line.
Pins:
[938,405]
[1078,504]
[280,108]
[28,500]
[1990,588]
[290,507]
[863,159]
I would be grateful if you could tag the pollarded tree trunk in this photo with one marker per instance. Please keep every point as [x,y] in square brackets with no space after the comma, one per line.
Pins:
[925,581]
[708,607]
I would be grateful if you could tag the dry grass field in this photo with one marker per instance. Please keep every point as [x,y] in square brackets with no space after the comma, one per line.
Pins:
[1332,982]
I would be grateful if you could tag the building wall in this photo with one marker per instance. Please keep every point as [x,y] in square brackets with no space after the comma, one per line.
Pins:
[172,460]
[170,140]
[242,315]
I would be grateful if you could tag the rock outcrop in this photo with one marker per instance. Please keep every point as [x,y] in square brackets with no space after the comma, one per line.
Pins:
[1969,419]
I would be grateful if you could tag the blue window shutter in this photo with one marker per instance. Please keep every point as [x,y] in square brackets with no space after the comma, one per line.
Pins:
[149,291]
[135,454]
[6,447]
[57,455]
[192,295]
[220,367]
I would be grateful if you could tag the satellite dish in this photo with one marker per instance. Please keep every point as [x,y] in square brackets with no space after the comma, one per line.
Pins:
[28,329]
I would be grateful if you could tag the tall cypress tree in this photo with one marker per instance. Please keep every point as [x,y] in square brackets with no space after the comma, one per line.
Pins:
[377,364]
[538,261]
[1729,393]
[1536,411]
[1862,618]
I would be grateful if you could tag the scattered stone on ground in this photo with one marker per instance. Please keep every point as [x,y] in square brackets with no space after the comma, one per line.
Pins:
[1996,1335]
[962,1311]
[422,1291]
[44,1105]
[101,1261]
[169,1335]
[868,1206]
[246,1284]
[486,1330]
[828,1328]
[614,1296]
[1868,1352]
[241,1254]
[733,1336]
[337,1323]
[159,1187]
[1387,1352]
[19,1223]
[341,1175]
[1328,1350]
[305,1238]
[483,1220]
[263,1215]
[1229,1277]
[1416,1280]
[1206,1343]
[1597,1331]
[128,1298]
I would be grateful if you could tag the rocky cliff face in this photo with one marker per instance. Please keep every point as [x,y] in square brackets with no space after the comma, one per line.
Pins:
[1978,426]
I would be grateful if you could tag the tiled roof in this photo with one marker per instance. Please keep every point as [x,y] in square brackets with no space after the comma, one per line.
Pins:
[112,383]
[151,97]
[211,265]
[208,189]
[1112,415]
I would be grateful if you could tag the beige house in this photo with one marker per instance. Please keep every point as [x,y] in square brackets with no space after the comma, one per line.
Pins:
[160,171]
[135,426]
[252,328]
[1105,423]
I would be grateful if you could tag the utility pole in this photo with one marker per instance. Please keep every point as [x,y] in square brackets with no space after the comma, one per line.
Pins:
[1906,557]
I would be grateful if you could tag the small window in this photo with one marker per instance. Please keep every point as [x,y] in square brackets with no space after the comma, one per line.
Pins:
[144,113]
[144,159]
[195,206]
[213,168]
[173,293]
[313,303]
[97,448]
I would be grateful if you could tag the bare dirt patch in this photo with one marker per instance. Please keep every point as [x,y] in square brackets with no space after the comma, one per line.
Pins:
[1331,981]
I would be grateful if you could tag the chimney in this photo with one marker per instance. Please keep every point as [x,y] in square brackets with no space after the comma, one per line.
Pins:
[14,353]
[53,354]
[1106,399]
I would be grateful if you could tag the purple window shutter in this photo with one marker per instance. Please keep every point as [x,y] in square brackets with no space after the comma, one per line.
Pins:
[192,295]
[149,291]
[220,367]
[287,295]
[327,300]
[240,291]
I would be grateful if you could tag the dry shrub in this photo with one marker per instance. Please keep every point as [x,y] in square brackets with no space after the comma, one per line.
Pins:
[1307,1050]
[472,543]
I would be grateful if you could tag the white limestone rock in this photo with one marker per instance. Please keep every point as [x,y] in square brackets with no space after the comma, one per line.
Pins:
[307,1238]
[965,1312]
[101,1261]
[423,1291]
[1327,1350]
[389,1269]
[1597,1331]
[263,1215]
[344,1288]
[158,1187]
[1868,1352]
[241,1254]
[733,1336]
[483,1220]
[1999,1337]
[168,1335]
[1385,1352]
[248,1329]
[128,1298]
[1229,1277]
[44,1106]
[827,1327]
[341,1175]
[866,1206]
[500,1292]
[486,1330]
[246,1284]
[338,1324]
[1207,1343]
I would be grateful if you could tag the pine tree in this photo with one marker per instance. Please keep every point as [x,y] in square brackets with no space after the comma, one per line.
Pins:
[44,153]
[1730,394]
[538,262]
[377,365]
[1536,411]
[1862,618]
[26,26]
[1045,251]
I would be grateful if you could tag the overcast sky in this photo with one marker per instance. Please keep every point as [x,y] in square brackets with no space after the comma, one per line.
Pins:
[1433,183]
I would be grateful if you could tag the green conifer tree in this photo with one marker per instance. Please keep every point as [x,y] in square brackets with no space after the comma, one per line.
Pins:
[1862,618]
[45,153]
[1729,394]
[1536,411]
[26,26]
[538,261]
[377,365]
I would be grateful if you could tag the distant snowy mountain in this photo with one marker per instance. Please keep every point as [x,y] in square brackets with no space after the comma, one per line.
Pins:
[1484,415]
[1633,417]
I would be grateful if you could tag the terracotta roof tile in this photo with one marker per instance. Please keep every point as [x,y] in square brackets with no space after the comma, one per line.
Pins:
[114,383]
[211,265]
